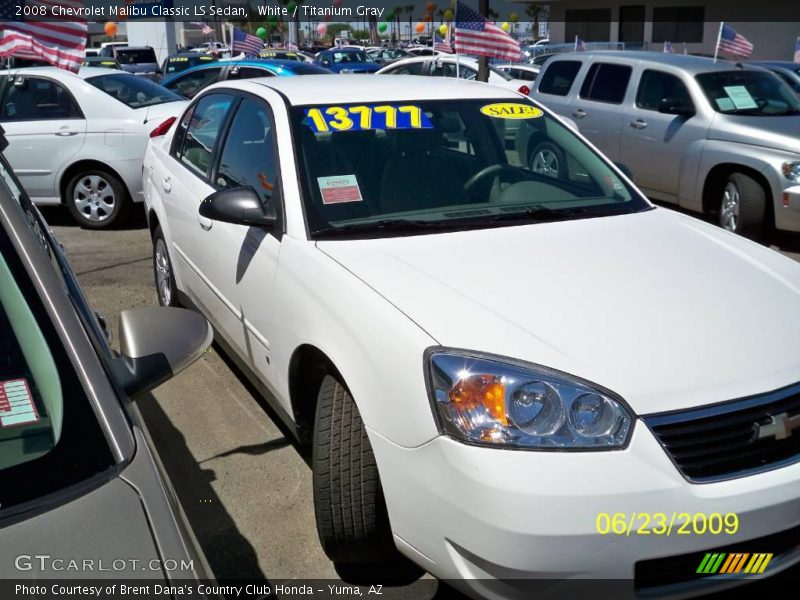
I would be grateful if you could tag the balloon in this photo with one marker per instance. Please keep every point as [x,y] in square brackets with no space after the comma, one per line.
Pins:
[291,6]
[513,17]
[322,29]
[443,29]
[390,16]
[427,17]
[506,27]
[262,33]
[326,18]
[448,14]
[430,6]
[420,27]
[110,29]
[381,27]
[337,3]
[272,19]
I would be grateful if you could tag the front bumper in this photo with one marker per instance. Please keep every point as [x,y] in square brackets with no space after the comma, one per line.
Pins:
[477,514]
[787,209]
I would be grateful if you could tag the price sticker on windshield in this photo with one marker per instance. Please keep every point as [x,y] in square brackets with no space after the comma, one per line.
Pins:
[16,404]
[363,117]
[511,110]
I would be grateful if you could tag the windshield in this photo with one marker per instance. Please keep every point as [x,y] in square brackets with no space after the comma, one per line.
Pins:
[133,91]
[448,165]
[129,56]
[757,93]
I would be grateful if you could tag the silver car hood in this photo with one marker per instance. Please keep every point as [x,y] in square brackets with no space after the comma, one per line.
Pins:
[782,133]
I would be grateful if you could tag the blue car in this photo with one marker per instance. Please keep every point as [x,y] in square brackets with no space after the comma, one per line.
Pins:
[189,82]
[346,60]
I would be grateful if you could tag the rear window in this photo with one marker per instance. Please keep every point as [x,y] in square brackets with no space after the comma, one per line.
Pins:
[606,82]
[129,56]
[558,77]
[133,91]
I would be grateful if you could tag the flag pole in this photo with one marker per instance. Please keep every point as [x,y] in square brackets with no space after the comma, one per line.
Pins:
[719,37]
[575,49]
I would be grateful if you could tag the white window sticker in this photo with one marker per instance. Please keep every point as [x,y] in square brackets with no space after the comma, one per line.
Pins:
[740,96]
[16,404]
[724,103]
[339,188]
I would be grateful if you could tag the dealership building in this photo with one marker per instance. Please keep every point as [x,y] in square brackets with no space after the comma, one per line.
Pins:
[648,24]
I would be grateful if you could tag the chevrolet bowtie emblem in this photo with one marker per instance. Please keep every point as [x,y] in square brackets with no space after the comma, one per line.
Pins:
[780,427]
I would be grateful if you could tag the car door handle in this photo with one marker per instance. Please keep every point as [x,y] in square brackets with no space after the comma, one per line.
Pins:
[166,183]
[65,133]
[579,114]
[205,223]
[638,124]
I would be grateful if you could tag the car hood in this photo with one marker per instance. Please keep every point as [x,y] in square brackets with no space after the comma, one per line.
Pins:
[663,309]
[782,133]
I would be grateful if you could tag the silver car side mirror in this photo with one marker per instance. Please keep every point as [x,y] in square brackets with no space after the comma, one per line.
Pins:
[156,343]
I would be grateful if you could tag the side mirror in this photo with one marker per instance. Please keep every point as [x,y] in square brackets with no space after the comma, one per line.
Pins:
[673,106]
[240,206]
[157,343]
[326,63]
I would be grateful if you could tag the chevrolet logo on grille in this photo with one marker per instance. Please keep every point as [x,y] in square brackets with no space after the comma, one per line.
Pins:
[780,427]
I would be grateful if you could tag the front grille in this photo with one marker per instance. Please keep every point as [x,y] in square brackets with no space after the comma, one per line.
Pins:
[721,441]
[683,567]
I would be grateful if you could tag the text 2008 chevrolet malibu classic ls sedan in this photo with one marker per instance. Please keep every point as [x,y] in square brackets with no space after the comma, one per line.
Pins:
[491,364]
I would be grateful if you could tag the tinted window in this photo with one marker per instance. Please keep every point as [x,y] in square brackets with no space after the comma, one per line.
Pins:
[522,74]
[248,156]
[249,73]
[414,68]
[127,56]
[606,83]
[656,86]
[199,130]
[34,98]
[49,436]
[558,77]
[133,91]
[190,84]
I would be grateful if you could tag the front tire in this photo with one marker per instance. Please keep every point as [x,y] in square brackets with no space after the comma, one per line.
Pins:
[97,199]
[743,206]
[352,520]
[166,290]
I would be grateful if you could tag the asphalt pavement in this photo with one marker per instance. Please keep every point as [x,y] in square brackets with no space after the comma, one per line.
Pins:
[244,485]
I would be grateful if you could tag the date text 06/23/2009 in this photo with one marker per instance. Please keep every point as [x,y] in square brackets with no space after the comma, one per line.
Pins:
[667,523]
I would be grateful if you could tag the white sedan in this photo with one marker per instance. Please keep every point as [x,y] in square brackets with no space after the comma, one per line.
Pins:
[450,65]
[79,140]
[490,364]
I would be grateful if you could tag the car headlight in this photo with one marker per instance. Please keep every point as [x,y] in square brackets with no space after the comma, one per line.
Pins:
[791,170]
[501,402]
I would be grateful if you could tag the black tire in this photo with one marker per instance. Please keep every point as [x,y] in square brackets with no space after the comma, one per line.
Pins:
[749,218]
[95,212]
[352,520]
[549,160]
[163,274]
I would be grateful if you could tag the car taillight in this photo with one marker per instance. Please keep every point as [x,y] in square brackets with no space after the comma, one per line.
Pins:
[163,128]
[524,89]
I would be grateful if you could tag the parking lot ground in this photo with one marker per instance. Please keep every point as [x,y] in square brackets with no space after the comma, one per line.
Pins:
[245,487]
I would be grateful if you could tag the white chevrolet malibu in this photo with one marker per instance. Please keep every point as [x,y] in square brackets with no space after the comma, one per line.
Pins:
[506,372]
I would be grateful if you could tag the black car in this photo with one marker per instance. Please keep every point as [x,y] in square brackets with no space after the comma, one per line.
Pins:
[175,63]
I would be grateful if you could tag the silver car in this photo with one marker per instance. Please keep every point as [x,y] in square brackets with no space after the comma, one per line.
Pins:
[718,138]
[82,492]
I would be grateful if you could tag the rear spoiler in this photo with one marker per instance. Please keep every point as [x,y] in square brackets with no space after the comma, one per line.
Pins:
[3,140]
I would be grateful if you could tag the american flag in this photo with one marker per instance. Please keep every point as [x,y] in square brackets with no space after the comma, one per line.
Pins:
[668,47]
[474,35]
[441,44]
[58,40]
[580,45]
[733,43]
[247,43]
[205,28]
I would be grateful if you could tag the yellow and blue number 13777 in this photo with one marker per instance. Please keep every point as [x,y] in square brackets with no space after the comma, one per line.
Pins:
[366,116]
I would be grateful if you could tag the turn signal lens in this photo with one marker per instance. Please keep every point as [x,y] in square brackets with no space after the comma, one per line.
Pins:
[525,90]
[480,392]
[163,128]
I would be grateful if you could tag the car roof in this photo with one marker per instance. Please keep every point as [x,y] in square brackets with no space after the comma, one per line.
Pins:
[687,62]
[276,63]
[300,91]
[467,60]
[62,74]
[784,64]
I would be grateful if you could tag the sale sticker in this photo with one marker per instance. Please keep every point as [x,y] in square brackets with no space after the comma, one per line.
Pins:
[339,189]
[16,404]
[511,110]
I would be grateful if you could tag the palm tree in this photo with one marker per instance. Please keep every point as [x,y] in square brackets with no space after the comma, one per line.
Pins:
[410,10]
[398,10]
[534,11]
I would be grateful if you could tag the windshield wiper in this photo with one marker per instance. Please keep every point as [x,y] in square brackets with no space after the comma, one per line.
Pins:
[382,225]
[542,213]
